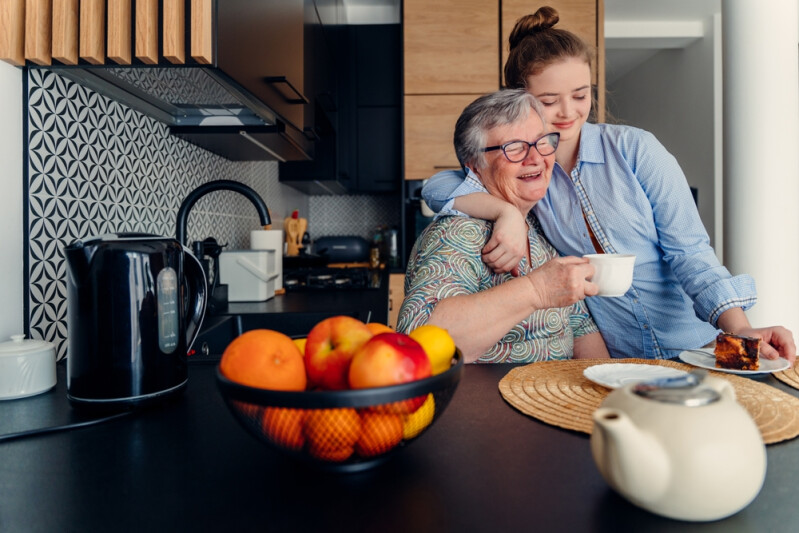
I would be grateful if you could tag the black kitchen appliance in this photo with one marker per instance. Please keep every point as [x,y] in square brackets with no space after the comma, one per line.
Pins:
[339,263]
[331,278]
[135,305]
[343,248]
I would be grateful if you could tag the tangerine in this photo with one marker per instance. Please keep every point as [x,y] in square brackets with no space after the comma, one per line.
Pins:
[248,409]
[377,327]
[332,433]
[265,359]
[283,426]
[380,432]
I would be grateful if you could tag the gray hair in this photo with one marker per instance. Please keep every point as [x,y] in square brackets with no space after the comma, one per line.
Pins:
[506,106]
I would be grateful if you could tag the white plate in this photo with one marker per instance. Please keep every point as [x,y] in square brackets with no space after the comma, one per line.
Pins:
[706,359]
[614,375]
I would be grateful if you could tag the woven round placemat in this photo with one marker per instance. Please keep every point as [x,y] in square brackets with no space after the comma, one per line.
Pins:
[790,377]
[556,392]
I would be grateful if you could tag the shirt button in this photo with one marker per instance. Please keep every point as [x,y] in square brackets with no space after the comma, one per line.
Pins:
[646,326]
[635,300]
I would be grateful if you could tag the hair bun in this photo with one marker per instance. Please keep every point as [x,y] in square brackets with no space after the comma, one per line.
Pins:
[543,19]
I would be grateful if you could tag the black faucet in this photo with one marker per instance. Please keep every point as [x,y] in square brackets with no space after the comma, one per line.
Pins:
[227,185]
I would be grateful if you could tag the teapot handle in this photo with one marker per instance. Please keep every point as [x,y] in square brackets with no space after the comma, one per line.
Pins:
[722,386]
[196,296]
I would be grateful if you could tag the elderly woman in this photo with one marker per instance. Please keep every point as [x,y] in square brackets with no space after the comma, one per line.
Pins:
[537,316]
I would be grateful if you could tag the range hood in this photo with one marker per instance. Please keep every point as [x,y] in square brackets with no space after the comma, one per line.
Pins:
[203,106]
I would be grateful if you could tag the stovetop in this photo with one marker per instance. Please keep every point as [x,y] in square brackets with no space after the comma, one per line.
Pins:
[331,278]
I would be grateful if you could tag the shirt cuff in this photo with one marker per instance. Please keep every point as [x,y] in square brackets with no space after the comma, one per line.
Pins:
[737,291]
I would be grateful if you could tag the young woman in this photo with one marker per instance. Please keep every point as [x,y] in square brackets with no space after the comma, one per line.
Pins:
[614,189]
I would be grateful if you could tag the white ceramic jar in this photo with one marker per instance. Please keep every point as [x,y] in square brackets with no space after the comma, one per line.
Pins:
[27,367]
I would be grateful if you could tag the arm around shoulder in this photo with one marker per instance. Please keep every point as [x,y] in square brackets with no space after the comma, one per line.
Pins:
[438,190]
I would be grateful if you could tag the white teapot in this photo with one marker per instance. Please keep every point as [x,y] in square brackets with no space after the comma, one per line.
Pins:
[680,447]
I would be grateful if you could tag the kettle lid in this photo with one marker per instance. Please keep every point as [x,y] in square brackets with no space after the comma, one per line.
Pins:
[116,237]
[686,390]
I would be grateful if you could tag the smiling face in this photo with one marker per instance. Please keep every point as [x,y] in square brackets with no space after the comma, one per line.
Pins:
[564,89]
[522,184]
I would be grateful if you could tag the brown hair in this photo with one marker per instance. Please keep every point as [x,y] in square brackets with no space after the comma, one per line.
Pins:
[535,43]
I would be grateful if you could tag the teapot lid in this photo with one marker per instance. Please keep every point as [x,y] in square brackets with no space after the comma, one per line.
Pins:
[686,390]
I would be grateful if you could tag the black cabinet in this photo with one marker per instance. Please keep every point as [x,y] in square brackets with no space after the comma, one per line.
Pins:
[261,46]
[376,135]
[378,148]
[359,150]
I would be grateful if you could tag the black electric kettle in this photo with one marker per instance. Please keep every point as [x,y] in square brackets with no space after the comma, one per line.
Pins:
[135,303]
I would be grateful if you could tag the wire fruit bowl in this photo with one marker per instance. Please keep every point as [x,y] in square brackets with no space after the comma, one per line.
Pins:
[346,430]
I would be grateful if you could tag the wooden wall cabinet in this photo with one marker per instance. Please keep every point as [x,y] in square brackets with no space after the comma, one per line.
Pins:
[451,46]
[451,56]
[583,17]
[455,51]
[429,127]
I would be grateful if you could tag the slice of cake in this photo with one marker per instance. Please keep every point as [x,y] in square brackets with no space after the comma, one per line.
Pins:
[737,352]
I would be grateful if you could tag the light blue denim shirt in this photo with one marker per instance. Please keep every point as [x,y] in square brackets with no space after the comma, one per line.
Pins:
[637,201]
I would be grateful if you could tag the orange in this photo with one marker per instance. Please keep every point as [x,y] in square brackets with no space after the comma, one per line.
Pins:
[265,359]
[380,432]
[332,433]
[333,455]
[414,423]
[377,327]
[402,407]
[283,426]
[248,409]
[437,344]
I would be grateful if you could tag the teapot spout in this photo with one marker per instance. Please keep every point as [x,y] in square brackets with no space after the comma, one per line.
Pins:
[632,461]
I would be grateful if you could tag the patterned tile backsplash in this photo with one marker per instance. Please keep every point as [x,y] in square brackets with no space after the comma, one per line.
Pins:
[96,166]
[351,215]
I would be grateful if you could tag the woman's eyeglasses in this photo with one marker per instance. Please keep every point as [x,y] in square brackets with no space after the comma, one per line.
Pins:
[517,151]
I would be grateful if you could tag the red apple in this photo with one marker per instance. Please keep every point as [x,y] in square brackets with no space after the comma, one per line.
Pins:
[390,359]
[329,348]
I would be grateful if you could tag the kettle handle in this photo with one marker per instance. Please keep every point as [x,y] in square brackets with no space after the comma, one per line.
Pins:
[196,293]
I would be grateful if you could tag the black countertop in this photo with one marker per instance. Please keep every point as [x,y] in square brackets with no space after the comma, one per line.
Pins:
[293,313]
[189,466]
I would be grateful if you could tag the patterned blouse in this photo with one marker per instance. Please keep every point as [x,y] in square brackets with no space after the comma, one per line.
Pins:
[446,261]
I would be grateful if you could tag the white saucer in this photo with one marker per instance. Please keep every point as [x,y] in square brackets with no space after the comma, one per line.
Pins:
[614,375]
[706,359]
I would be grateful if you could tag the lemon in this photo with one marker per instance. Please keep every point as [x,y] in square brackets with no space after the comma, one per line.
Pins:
[414,423]
[300,343]
[437,344]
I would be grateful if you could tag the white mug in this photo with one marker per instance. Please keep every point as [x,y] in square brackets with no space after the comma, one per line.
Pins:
[614,273]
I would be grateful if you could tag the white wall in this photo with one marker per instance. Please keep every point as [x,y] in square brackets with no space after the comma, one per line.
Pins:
[10,201]
[672,95]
